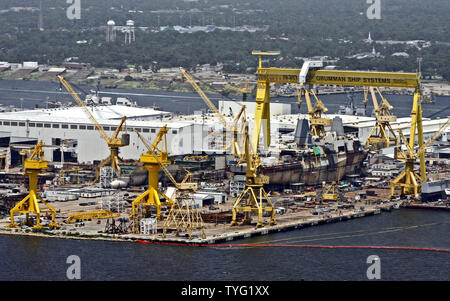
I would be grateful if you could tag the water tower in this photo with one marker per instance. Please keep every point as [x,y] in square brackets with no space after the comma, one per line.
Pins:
[129,32]
[111,31]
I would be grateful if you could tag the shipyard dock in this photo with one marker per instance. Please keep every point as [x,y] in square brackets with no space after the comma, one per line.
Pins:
[216,233]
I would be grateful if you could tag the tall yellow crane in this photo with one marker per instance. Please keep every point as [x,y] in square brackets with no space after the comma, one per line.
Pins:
[114,142]
[316,119]
[382,132]
[181,215]
[229,128]
[155,158]
[408,180]
[202,94]
[253,198]
[234,128]
[311,74]
[33,166]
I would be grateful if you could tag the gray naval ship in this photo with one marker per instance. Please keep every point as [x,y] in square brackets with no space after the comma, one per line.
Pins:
[312,161]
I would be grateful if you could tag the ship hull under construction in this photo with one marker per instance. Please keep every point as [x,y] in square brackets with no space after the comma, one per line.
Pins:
[312,172]
[321,163]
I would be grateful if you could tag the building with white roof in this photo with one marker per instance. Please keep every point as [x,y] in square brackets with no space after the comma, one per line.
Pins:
[72,124]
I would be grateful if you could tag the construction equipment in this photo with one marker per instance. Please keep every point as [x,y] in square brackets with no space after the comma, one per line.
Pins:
[253,198]
[244,90]
[229,128]
[332,193]
[317,76]
[114,142]
[33,166]
[152,163]
[82,216]
[316,119]
[234,128]
[182,216]
[24,153]
[408,179]
[112,228]
[202,94]
[63,173]
[382,131]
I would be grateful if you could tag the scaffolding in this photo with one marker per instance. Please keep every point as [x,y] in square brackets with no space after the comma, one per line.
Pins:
[106,176]
[149,226]
[113,205]
[184,217]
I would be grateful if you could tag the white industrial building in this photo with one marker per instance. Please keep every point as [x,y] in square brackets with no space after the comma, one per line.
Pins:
[72,124]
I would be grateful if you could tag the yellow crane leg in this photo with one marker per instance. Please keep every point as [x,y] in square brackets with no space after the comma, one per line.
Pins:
[416,122]
[408,179]
[151,195]
[30,204]
[262,115]
[252,203]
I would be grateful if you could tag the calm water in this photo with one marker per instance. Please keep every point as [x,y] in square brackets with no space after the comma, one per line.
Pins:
[30,258]
[36,93]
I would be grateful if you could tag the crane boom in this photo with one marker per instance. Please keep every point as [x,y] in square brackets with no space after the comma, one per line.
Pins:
[203,96]
[85,108]
[341,77]
[433,137]
[266,76]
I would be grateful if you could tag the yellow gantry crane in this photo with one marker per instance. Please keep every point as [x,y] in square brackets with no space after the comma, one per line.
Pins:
[183,216]
[253,198]
[114,142]
[311,74]
[155,158]
[382,133]
[408,180]
[33,166]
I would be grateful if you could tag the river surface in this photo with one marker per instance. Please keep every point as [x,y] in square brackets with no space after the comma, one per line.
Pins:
[36,258]
[34,93]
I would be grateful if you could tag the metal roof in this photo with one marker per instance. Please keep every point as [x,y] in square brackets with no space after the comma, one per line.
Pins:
[105,115]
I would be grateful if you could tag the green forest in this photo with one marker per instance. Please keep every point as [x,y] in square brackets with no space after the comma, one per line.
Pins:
[297,28]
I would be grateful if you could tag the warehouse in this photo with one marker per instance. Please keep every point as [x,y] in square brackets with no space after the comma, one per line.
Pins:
[71,128]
